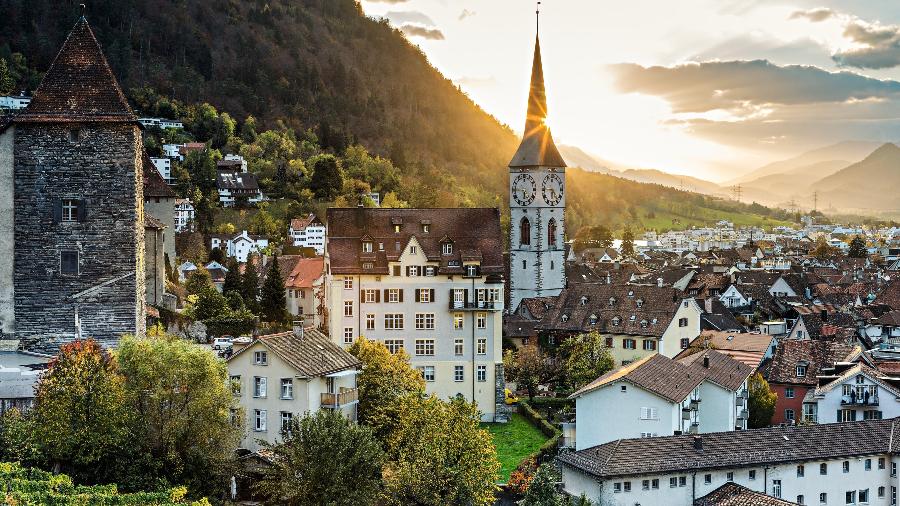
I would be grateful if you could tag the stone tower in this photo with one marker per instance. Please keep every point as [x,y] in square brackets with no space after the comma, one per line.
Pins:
[537,203]
[76,232]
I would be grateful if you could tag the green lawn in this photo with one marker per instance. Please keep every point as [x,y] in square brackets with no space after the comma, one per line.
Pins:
[514,441]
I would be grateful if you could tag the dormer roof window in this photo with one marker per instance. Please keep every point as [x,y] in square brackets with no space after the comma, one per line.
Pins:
[367,247]
[426,226]
[633,318]
[584,300]
[565,318]
[612,301]
[643,324]
[447,248]
[616,321]
[631,293]
[593,319]
[640,303]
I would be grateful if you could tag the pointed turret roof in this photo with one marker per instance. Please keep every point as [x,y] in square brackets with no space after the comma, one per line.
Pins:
[79,86]
[537,148]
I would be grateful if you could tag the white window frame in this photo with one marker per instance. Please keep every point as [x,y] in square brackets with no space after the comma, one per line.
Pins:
[394,345]
[259,420]
[481,320]
[69,210]
[348,335]
[393,295]
[425,295]
[348,282]
[481,372]
[259,387]
[424,347]
[424,321]
[370,321]
[459,373]
[481,344]
[287,388]
[260,358]
[458,346]
[393,321]
[348,308]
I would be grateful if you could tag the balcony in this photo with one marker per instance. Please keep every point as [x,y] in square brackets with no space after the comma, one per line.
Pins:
[695,403]
[337,400]
[743,415]
[740,402]
[854,400]
[484,305]
[685,414]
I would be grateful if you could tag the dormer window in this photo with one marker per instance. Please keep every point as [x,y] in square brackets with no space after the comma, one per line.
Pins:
[640,303]
[643,324]
[612,301]
[593,319]
[584,300]
[472,271]
[633,318]
[447,248]
[565,318]
[426,228]
[367,246]
[631,293]
[801,370]
[397,228]
[616,321]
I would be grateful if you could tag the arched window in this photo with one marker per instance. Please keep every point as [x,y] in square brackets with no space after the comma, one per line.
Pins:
[551,232]
[525,232]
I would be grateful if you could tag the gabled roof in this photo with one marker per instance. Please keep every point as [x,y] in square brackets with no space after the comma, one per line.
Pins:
[312,356]
[154,184]
[858,368]
[815,353]
[743,347]
[656,374]
[79,86]
[723,370]
[732,494]
[742,448]
[301,223]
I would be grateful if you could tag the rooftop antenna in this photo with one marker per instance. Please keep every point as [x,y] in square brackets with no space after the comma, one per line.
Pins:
[537,16]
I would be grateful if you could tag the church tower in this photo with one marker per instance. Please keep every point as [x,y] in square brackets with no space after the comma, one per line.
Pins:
[537,202]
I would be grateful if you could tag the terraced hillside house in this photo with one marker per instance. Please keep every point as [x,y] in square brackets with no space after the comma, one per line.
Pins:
[429,281]
[281,376]
[72,206]
[636,320]
[829,464]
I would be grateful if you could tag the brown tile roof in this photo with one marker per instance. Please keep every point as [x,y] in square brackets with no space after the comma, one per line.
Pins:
[743,347]
[723,370]
[537,307]
[815,353]
[732,494]
[154,184]
[609,302]
[301,223]
[469,229]
[655,373]
[312,356]
[152,222]
[742,448]
[79,86]
[304,272]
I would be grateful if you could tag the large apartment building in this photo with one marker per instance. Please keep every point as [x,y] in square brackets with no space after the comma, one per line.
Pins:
[428,281]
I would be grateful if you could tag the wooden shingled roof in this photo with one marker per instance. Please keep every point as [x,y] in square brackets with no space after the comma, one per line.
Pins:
[79,86]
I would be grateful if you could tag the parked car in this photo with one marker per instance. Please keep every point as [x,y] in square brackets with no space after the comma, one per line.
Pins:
[221,343]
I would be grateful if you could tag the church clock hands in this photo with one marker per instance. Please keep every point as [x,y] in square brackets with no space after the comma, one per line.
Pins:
[552,189]
[524,189]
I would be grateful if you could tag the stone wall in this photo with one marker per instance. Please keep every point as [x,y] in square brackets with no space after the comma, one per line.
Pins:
[164,211]
[102,167]
[155,266]
[7,311]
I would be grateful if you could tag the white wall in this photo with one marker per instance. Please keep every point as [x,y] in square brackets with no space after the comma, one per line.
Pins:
[717,409]
[608,413]
[670,343]
[7,237]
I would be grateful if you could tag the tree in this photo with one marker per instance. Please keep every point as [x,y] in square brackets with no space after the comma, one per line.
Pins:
[542,489]
[324,459]
[191,248]
[327,180]
[81,419]
[627,241]
[761,403]
[822,250]
[181,396]
[250,285]
[210,304]
[232,278]
[586,358]
[7,82]
[217,255]
[198,281]
[528,367]
[17,441]
[440,455]
[857,248]
[384,381]
[273,299]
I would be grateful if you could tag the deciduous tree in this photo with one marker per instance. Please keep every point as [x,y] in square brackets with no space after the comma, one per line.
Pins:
[761,403]
[325,459]
[528,367]
[586,358]
[327,179]
[627,241]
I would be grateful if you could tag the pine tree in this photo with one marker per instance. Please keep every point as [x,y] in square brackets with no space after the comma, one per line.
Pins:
[250,285]
[857,248]
[233,282]
[273,299]
[627,241]
[7,83]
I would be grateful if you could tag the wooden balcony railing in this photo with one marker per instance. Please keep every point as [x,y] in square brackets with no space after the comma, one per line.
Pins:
[336,400]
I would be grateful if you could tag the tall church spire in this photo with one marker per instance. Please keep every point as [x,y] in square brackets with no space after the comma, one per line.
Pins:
[537,148]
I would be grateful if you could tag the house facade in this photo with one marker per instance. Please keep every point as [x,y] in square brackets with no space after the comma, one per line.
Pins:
[184,215]
[852,463]
[308,232]
[282,376]
[425,281]
[240,246]
[855,392]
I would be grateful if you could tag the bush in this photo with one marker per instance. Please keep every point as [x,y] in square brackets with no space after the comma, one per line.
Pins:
[548,449]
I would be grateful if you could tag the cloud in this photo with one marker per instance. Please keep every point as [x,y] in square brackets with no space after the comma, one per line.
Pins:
[409,17]
[466,13]
[421,31]
[815,15]
[745,103]
[879,46]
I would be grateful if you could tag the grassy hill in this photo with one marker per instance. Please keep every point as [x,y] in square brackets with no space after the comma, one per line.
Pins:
[323,65]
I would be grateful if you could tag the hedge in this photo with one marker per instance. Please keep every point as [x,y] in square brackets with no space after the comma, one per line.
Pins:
[548,449]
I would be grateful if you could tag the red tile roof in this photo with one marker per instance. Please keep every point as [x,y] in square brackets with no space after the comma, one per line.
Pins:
[79,86]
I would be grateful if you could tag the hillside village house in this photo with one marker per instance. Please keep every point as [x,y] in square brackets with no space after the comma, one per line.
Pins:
[850,392]
[794,370]
[239,246]
[308,232]
[163,167]
[829,464]
[14,102]
[658,396]
[281,376]
[637,321]
[304,286]
[426,281]
[184,215]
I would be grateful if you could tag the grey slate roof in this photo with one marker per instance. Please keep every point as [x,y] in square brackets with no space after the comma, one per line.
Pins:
[732,494]
[655,373]
[312,356]
[746,448]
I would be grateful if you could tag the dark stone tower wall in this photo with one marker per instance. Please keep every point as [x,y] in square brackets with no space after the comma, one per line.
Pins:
[104,169]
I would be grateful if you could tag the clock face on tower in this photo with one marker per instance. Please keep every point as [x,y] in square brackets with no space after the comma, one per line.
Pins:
[552,189]
[524,189]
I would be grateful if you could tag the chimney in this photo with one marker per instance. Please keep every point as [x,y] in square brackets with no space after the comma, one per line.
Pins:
[824,315]
[698,443]
[708,303]
[706,361]
[298,327]
[659,282]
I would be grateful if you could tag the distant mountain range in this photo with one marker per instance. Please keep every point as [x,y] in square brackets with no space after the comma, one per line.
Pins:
[861,177]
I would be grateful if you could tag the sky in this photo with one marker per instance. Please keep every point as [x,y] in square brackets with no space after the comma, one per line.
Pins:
[708,88]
